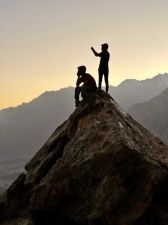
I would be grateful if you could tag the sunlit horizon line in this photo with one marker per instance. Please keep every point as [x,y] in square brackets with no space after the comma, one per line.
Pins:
[70,86]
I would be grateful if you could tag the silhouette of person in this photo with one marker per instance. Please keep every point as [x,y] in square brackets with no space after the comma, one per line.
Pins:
[103,66]
[88,87]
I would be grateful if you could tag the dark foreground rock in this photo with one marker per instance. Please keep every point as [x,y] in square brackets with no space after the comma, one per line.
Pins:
[99,167]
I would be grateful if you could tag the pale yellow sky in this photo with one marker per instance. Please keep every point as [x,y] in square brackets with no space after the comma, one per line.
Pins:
[43,41]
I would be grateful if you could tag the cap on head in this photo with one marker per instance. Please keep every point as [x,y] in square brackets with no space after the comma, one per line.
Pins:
[105,45]
[82,69]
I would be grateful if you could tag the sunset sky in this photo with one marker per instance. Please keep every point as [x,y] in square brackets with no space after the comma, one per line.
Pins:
[43,41]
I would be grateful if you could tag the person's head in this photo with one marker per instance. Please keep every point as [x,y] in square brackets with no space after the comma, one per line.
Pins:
[81,70]
[104,47]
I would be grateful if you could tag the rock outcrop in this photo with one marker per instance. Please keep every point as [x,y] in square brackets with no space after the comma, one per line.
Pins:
[100,167]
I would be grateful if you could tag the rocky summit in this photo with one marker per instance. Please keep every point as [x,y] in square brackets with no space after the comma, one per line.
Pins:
[100,167]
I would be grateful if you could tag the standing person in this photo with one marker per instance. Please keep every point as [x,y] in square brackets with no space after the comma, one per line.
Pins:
[88,87]
[103,66]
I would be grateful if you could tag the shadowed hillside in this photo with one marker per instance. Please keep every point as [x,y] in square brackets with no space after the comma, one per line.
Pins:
[23,129]
[132,91]
[153,115]
[99,167]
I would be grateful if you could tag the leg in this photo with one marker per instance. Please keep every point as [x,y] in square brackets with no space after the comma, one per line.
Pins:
[84,93]
[100,78]
[106,80]
[77,93]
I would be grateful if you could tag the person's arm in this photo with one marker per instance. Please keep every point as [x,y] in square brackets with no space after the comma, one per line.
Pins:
[79,81]
[95,53]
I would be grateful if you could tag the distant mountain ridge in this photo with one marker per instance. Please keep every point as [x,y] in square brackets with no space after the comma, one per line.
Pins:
[29,119]
[23,129]
[132,91]
[153,115]
[99,167]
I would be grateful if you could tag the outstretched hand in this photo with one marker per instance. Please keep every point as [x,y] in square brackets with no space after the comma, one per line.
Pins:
[92,48]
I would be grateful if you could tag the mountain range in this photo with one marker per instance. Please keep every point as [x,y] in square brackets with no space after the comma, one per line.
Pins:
[99,167]
[153,115]
[132,91]
[24,128]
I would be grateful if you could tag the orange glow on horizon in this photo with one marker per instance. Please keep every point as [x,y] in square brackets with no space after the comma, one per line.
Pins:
[42,43]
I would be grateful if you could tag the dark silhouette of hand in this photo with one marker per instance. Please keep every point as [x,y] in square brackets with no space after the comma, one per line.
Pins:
[92,48]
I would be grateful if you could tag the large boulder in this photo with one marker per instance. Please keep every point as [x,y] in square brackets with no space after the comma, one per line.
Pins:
[100,167]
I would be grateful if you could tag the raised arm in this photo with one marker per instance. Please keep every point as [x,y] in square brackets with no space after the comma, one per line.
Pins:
[95,53]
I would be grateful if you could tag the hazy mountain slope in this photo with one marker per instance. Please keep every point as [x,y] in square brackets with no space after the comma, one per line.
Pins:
[99,167]
[1,190]
[23,129]
[153,115]
[32,122]
[130,92]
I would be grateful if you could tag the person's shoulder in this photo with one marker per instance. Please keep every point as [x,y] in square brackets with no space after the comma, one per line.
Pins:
[87,74]
[107,54]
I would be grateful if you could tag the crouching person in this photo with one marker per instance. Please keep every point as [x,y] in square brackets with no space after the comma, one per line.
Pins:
[88,87]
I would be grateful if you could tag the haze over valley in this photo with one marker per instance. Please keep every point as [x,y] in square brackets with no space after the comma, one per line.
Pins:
[25,128]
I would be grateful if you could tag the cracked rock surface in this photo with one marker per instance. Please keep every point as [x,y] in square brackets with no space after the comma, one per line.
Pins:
[100,167]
